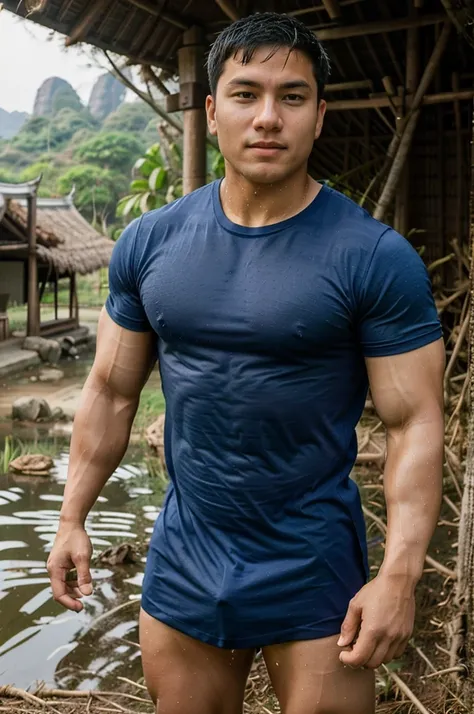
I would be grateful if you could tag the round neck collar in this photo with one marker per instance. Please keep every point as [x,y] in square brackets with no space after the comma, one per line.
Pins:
[257,231]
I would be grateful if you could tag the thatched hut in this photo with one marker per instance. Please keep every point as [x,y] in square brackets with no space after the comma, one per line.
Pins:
[43,240]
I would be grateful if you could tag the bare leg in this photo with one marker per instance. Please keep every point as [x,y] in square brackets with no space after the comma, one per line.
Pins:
[186,676]
[309,678]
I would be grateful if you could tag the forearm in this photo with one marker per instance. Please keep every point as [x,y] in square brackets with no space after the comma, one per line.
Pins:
[99,441]
[413,491]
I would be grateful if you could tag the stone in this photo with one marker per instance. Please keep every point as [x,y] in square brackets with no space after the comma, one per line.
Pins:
[48,350]
[50,375]
[107,95]
[53,95]
[31,409]
[32,465]
[57,414]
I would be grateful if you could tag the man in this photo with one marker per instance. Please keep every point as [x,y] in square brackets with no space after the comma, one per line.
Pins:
[272,302]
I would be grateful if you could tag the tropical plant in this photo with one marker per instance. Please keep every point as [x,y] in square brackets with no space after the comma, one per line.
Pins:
[110,150]
[156,181]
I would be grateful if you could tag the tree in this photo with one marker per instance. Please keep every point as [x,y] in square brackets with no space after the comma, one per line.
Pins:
[97,190]
[132,117]
[111,150]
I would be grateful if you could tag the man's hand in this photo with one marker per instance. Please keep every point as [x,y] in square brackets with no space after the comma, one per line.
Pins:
[72,549]
[381,616]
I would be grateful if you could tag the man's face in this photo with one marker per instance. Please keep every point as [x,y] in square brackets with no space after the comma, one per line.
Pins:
[266,115]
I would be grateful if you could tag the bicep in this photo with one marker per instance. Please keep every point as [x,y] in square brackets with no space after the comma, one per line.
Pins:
[408,387]
[124,358]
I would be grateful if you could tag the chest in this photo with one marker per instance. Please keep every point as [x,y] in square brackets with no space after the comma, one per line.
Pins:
[275,293]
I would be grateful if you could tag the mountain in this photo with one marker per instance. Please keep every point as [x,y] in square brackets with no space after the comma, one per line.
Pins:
[53,95]
[11,123]
[107,95]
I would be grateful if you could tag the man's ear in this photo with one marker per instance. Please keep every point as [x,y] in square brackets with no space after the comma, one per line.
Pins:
[211,115]
[321,114]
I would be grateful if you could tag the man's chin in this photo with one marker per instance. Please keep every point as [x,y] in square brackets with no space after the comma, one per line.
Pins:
[265,175]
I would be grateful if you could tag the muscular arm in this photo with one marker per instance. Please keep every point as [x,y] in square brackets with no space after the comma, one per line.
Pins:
[104,419]
[407,390]
[100,437]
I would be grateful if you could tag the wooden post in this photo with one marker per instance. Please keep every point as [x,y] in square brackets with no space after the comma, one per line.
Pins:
[56,296]
[33,318]
[72,294]
[459,161]
[401,144]
[192,82]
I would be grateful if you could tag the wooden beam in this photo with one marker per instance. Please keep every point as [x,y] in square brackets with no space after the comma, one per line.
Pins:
[153,9]
[321,8]
[228,7]
[192,79]
[332,8]
[346,105]
[88,18]
[33,316]
[349,86]
[375,28]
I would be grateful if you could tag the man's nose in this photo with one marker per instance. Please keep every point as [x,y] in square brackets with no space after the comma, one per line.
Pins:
[268,117]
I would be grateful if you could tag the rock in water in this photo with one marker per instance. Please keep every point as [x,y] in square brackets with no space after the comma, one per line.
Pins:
[118,555]
[50,375]
[32,465]
[30,409]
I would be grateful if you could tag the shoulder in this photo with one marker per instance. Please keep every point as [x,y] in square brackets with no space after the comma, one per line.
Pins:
[353,223]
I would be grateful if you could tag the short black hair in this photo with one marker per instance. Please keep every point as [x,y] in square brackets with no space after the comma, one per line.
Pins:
[267,29]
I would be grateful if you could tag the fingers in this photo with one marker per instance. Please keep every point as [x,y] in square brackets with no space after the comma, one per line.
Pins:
[351,625]
[362,651]
[84,578]
[63,592]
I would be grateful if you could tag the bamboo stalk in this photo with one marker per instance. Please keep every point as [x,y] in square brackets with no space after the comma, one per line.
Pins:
[404,143]
[406,690]
[228,7]
[332,8]
[86,22]
[376,28]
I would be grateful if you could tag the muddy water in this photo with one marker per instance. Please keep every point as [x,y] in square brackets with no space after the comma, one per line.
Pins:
[38,639]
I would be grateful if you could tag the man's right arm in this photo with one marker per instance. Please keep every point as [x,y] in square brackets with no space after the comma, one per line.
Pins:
[102,426]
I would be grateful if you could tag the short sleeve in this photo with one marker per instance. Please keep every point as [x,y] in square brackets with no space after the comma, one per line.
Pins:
[123,304]
[397,311]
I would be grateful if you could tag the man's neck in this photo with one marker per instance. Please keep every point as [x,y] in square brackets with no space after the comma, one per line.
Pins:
[256,205]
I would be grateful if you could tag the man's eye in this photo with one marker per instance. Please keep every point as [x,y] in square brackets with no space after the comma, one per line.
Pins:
[294,97]
[244,95]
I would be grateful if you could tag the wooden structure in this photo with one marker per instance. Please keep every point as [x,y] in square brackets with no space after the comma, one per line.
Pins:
[43,240]
[400,96]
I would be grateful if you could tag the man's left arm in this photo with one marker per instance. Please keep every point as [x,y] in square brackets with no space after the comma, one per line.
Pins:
[407,390]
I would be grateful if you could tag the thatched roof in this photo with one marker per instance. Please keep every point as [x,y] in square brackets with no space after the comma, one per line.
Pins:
[65,240]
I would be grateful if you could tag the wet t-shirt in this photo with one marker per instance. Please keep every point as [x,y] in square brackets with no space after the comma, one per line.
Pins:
[261,337]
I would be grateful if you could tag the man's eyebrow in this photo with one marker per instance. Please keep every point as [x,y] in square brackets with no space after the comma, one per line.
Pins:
[244,82]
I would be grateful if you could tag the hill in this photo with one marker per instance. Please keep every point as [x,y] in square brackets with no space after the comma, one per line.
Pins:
[11,123]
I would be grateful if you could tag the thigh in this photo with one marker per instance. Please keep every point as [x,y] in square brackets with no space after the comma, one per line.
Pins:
[185,675]
[309,678]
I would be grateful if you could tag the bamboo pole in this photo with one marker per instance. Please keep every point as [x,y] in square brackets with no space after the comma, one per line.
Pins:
[383,102]
[349,86]
[376,28]
[465,561]
[228,7]
[400,145]
[332,8]
[459,162]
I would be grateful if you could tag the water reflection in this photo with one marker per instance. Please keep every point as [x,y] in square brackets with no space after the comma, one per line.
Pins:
[38,639]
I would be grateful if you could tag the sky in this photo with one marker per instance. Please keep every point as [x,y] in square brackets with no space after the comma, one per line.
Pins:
[29,54]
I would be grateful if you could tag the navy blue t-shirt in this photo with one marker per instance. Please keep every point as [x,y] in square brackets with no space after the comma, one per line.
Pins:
[261,339]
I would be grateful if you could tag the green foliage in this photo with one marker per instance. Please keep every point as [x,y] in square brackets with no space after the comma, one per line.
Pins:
[132,118]
[66,98]
[97,189]
[112,150]
[7,175]
[157,181]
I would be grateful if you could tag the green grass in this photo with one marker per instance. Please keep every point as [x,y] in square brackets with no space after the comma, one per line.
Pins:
[14,448]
